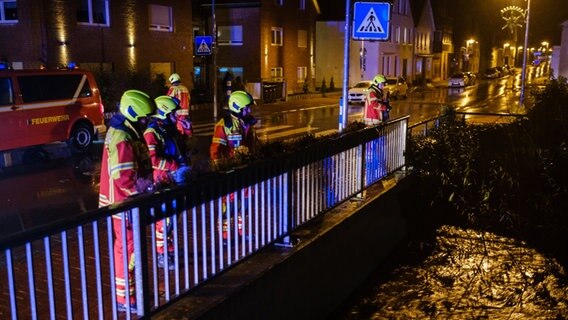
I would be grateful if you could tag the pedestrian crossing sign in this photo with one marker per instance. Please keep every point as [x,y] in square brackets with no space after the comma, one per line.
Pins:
[203,45]
[371,20]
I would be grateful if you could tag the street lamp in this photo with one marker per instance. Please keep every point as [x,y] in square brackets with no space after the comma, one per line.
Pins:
[468,54]
[524,72]
[506,45]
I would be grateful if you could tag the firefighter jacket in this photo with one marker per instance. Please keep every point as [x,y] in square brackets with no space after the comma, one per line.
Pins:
[375,107]
[165,154]
[181,93]
[125,160]
[230,133]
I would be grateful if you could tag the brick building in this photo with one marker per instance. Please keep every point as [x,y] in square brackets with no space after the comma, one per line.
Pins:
[146,37]
[260,41]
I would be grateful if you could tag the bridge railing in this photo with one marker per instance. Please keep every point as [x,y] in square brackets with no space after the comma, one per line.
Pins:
[68,268]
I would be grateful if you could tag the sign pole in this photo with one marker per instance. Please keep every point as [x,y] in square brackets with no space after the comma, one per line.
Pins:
[343,102]
[214,51]
[525,53]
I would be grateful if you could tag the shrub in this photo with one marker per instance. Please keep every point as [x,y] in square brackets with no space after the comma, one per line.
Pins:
[511,178]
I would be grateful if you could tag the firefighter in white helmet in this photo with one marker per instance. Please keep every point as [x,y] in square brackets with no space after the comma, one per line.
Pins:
[180,92]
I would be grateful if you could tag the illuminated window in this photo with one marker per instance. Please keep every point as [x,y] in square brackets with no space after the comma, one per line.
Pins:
[302,39]
[230,35]
[161,18]
[8,11]
[94,12]
[276,73]
[302,73]
[279,2]
[277,35]
[302,4]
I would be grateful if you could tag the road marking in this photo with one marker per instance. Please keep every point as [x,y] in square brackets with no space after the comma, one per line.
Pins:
[262,130]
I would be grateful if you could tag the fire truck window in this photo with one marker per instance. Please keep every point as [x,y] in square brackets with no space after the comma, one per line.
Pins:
[86,90]
[49,87]
[6,94]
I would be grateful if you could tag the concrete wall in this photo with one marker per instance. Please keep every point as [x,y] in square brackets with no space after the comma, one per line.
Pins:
[336,253]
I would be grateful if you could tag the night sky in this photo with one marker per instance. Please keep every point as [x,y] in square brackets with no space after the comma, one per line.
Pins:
[482,19]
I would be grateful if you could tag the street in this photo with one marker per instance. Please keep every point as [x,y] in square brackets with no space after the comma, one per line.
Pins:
[38,193]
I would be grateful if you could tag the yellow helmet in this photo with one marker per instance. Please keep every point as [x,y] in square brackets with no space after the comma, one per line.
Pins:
[135,104]
[174,77]
[239,100]
[378,79]
[165,105]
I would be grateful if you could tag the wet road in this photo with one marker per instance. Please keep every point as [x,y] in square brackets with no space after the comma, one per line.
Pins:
[34,195]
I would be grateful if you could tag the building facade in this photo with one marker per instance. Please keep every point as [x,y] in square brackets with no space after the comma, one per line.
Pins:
[419,47]
[267,41]
[143,37]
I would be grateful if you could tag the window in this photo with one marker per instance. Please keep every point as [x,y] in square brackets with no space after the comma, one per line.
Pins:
[161,18]
[163,68]
[6,92]
[302,39]
[93,12]
[8,11]
[302,74]
[230,35]
[53,87]
[276,72]
[279,2]
[302,4]
[277,35]
[397,35]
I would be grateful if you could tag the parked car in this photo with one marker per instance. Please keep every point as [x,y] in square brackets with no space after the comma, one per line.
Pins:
[396,87]
[458,80]
[491,73]
[358,92]
[472,78]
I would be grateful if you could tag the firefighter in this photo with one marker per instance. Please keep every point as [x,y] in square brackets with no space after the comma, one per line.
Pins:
[376,111]
[180,92]
[170,164]
[376,103]
[235,131]
[126,171]
[233,134]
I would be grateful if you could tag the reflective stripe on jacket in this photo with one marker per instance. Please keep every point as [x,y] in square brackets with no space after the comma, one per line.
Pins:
[125,159]
[226,137]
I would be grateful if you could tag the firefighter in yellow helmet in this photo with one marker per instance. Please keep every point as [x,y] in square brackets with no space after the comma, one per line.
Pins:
[233,134]
[235,131]
[376,103]
[126,171]
[170,165]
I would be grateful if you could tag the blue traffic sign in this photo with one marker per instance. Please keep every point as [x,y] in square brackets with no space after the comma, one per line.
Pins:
[371,20]
[203,45]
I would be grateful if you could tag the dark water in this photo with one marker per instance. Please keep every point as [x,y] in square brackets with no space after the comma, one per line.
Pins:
[467,275]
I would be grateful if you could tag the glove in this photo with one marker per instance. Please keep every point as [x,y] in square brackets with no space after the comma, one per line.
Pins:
[182,174]
[144,185]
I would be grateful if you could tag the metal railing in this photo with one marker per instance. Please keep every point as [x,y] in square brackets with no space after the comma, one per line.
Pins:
[216,220]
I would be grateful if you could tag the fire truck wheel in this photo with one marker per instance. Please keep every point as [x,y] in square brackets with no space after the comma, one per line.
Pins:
[81,137]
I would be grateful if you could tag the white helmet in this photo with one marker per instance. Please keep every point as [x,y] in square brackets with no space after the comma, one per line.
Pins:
[174,77]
